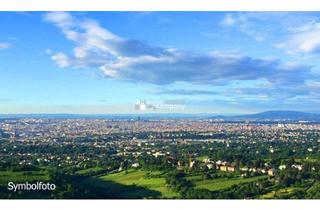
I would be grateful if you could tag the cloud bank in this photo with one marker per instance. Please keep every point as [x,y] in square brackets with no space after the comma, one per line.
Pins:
[139,61]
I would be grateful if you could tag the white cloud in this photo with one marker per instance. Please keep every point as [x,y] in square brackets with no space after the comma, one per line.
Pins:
[228,20]
[61,59]
[80,52]
[138,61]
[87,34]
[305,39]
[243,24]
[4,45]
[48,51]
[61,19]
[260,25]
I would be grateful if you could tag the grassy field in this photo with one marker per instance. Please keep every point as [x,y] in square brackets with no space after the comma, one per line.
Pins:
[281,192]
[22,176]
[306,160]
[89,170]
[134,182]
[201,158]
[220,183]
[136,177]
[300,160]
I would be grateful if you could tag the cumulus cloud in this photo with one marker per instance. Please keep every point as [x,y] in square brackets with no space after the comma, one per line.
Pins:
[4,45]
[228,20]
[61,59]
[203,69]
[242,22]
[139,61]
[302,28]
[304,39]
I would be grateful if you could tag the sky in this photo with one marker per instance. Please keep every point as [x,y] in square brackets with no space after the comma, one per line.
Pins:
[188,62]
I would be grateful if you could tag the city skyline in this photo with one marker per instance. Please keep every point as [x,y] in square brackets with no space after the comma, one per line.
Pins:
[104,62]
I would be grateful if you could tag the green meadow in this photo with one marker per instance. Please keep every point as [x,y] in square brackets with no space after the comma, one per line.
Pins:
[149,180]
[138,178]
[22,176]
[220,183]
[89,170]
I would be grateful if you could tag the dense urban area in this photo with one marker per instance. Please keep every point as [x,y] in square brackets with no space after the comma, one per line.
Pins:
[161,158]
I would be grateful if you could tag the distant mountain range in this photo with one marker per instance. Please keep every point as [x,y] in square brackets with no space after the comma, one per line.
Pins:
[263,116]
[279,115]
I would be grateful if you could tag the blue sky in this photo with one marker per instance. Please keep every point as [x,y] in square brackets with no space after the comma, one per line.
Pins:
[104,62]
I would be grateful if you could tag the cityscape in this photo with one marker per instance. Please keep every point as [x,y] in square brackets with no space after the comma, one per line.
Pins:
[162,158]
[159,105]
